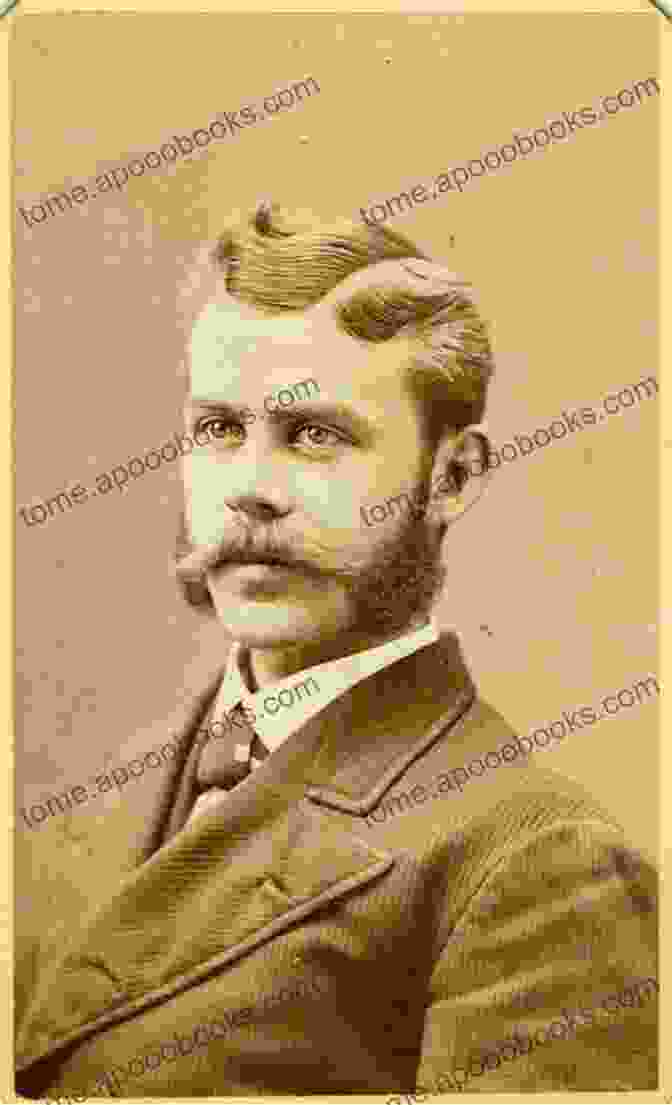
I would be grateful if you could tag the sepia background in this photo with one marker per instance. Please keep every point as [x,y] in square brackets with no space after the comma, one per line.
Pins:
[553,579]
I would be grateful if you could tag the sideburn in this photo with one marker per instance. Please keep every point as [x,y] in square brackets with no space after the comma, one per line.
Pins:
[402,581]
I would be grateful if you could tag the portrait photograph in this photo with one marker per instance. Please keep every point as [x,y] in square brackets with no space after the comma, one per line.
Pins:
[336,415]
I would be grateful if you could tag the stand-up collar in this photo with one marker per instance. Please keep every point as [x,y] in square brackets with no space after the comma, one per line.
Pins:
[347,755]
[308,691]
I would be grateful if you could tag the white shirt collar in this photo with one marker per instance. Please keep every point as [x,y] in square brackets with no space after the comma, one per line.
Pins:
[310,690]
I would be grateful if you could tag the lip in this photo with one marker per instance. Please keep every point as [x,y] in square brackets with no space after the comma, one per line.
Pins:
[260,571]
[260,578]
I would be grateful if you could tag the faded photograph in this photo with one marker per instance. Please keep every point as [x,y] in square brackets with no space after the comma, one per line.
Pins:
[333,864]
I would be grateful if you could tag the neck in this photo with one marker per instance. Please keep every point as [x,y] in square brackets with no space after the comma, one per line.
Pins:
[267,666]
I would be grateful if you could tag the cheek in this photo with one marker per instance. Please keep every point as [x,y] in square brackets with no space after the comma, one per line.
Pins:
[330,512]
[338,498]
[330,502]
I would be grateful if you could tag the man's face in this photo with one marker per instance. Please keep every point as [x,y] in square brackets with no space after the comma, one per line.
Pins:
[309,426]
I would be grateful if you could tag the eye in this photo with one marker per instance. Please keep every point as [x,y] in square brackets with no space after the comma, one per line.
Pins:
[218,427]
[318,436]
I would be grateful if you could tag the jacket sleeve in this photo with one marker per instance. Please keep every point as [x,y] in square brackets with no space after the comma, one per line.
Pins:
[548,980]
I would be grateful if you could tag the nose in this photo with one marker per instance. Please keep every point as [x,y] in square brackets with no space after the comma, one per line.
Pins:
[255,488]
[257,507]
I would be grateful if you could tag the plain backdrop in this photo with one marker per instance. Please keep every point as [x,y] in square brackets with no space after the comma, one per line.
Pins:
[553,579]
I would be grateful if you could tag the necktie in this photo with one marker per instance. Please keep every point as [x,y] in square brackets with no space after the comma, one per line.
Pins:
[227,758]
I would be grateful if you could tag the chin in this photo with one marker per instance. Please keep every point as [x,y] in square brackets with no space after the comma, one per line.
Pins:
[272,625]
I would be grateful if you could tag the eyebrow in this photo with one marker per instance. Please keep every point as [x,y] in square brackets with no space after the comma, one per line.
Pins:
[215,404]
[364,427]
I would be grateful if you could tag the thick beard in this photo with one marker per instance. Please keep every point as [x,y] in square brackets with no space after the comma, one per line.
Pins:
[400,584]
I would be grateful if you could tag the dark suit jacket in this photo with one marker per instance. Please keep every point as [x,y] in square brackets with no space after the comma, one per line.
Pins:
[328,929]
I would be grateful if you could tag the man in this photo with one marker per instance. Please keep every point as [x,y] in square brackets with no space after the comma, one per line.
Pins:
[246,921]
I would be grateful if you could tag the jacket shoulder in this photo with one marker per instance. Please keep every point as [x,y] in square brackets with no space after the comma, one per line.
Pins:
[482,781]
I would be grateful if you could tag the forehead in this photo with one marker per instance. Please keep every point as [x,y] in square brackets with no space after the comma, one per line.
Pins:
[233,344]
[230,330]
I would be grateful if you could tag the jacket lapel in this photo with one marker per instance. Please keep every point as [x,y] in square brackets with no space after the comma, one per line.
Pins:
[372,734]
[272,853]
[212,894]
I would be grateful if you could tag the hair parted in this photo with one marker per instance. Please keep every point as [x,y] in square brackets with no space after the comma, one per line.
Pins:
[277,267]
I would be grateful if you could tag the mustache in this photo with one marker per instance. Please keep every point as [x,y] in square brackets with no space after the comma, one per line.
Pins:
[387,586]
[254,545]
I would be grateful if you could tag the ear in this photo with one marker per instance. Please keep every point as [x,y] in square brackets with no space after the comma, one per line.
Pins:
[460,474]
